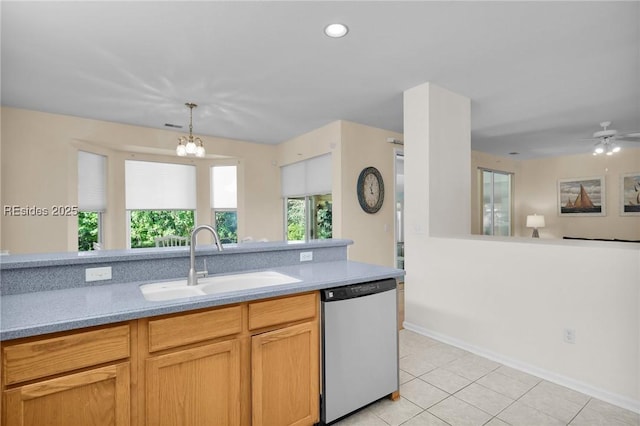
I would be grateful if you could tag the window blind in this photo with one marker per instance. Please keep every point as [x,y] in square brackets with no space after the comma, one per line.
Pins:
[159,186]
[308,177]
[224,187]
[92,182]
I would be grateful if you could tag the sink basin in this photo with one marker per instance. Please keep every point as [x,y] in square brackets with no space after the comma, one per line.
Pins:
[216,284]
[170,290]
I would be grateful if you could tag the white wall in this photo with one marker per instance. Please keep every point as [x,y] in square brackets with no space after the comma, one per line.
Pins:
[510,299]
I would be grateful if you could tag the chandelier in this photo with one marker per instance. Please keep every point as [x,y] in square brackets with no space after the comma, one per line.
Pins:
[190,146]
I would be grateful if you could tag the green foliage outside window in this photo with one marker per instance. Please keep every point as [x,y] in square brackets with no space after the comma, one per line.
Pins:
[87,230]
[227,226]
[324,220]
[321,217]
[295,219]
[146,225]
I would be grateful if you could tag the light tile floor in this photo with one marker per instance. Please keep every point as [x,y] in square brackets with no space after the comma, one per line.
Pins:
[442,385]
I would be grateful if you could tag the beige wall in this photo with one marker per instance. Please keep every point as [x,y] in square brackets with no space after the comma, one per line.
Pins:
[373,234]
[353,147]
[324,140]
[536,183]
[39,168]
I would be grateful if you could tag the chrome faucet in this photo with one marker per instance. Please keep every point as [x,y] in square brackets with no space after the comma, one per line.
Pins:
[192,279]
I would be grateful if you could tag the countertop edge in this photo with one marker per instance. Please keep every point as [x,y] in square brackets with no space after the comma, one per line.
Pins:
[20,261]
[356,272]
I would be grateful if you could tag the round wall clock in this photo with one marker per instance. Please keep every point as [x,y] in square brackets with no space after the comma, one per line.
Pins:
[370,189]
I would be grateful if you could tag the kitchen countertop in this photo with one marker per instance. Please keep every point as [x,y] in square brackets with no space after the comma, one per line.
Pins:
[36,313]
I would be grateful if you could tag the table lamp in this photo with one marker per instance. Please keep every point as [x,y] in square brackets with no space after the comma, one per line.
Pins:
[534,221]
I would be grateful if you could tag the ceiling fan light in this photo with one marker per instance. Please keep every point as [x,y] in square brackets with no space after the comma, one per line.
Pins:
[616,148]
[599,149]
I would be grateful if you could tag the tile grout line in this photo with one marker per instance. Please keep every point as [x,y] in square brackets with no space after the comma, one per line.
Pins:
[580,411]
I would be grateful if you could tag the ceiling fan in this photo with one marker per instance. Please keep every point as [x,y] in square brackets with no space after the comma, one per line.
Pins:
[607,139]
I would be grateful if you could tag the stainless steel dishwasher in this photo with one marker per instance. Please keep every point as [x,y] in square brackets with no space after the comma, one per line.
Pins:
[359,346]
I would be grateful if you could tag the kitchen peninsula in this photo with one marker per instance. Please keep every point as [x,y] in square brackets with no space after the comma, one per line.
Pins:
[228,357]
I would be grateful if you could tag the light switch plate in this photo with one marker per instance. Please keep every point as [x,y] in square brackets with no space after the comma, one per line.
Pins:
[306,256]
[97,274]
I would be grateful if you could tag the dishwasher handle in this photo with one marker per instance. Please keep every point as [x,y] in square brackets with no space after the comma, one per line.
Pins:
[352,291]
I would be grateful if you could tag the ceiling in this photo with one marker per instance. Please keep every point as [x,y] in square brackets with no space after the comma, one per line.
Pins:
[540,75]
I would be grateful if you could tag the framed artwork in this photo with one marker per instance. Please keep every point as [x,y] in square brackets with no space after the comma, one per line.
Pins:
[581,197]
[630,194]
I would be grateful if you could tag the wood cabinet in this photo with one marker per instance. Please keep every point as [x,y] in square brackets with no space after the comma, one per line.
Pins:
[285,376]
[197,386]
[254,363]
[77,378]
[192,368]
[251,363]
[285,351]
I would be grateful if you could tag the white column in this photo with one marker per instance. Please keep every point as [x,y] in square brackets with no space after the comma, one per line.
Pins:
[437,138]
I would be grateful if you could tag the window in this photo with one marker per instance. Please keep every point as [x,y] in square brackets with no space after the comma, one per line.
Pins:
[496,202]
[317,224]
[160,200]
[92,199]
[306,189]
[224,202]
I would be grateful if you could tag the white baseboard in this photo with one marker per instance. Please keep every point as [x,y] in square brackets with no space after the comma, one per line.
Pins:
[602,394]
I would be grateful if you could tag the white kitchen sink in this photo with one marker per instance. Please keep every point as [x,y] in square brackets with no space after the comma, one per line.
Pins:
[215,284]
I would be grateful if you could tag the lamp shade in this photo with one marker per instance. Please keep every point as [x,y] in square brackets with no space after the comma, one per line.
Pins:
[535,221]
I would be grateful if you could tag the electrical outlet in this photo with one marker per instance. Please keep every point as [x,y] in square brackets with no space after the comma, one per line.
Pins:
[569,335]
[306,256]
[97,274]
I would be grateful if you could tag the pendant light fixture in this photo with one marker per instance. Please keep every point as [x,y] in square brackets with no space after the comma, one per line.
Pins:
[190,146]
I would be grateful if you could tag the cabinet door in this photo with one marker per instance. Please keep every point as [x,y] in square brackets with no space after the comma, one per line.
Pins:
[98,397]
[285,382]
[193,387]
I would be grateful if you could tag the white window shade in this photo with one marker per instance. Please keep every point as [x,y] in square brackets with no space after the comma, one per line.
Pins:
[159,186]
[308,177]
[224,187]
[92,182]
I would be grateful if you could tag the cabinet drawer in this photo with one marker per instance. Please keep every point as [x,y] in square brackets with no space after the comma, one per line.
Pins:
[183,329]
[48,356]
[282,310]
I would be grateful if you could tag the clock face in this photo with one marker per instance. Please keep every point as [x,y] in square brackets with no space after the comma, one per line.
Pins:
[370,190]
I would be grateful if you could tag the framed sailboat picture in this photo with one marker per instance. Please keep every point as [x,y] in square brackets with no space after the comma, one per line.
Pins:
[630,194]
[581,197]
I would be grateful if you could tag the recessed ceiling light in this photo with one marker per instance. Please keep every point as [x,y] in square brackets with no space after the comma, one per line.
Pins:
[336,30]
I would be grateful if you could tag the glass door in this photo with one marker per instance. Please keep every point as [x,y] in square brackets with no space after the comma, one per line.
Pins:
[496,203]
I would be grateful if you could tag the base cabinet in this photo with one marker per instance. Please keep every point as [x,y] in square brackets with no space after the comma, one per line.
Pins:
[253,363]
[285,376]
[199,386]
[80,378]
[94,397]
